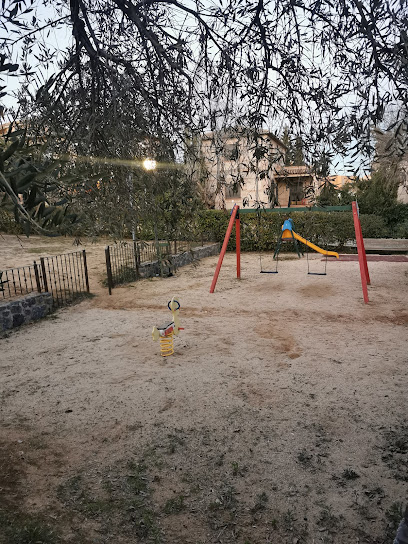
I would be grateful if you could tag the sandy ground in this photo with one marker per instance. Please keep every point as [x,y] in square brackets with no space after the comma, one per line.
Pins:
[280,418]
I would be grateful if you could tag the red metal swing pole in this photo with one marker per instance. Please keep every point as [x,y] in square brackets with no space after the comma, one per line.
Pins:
[362,258]
[238,244]
[224,246]
[357,228]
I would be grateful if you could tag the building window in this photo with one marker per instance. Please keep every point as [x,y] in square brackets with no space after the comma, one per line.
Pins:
[231,152]
[296,192]
[233,190]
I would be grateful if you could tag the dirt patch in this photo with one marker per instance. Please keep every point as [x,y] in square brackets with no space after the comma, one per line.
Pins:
[401,318]
[11,470]
[317,291]
[280,417]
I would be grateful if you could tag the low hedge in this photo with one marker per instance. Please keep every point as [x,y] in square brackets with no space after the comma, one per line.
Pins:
[261,232]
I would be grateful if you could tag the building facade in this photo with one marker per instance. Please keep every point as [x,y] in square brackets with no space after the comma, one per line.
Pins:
[296,186]
[247,168]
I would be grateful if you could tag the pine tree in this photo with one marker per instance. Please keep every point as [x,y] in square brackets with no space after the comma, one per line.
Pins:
[286,141]
[298,157]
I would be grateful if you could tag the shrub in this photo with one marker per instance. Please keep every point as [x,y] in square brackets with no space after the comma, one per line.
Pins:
[400,230]
[374,226]
[261,232]
[8,223]
[329,196]
[378,196]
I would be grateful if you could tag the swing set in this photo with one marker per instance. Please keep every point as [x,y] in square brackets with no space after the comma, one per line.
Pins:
[288,234]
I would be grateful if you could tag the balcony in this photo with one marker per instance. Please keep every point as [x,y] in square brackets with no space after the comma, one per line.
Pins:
[292,171]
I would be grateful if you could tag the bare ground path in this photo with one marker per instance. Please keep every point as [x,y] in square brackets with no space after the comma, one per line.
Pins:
[281,417]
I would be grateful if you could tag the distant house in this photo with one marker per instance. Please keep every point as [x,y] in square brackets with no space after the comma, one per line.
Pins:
[297,186]
[402,192]
[339,181]
[4,128]
[392,156]
[240,167]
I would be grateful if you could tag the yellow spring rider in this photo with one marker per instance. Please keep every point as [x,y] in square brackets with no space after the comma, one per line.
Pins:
[166,332]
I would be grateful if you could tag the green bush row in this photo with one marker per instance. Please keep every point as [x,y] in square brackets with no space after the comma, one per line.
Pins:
[261,231]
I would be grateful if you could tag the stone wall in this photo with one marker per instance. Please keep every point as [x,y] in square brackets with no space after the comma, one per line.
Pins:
[151,269]
[14,313]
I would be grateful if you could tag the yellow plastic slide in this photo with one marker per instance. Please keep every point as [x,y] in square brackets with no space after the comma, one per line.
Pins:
[313,246]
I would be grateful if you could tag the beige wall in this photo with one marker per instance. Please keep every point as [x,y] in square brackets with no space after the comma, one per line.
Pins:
[283,194]
[402,195]
[219,170]
[403,188]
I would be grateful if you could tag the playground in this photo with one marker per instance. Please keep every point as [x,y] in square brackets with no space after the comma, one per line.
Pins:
[280,417]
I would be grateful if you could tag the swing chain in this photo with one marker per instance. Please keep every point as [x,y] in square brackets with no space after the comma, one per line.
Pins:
[308,266]
[262,271]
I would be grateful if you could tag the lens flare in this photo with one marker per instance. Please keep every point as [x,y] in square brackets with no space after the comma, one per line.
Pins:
[149,164]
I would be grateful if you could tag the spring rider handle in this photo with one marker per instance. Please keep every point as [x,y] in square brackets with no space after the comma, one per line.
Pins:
[166,332]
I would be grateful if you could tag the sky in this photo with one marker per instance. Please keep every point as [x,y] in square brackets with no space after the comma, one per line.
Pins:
[58,39]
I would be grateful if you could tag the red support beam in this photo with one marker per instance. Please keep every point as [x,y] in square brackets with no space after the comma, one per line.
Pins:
[238,244]
[224,246]
[362,259]
[357,228]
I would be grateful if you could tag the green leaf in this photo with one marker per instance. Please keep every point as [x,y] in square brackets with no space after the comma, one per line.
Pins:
[48,211]
[24,183]
[58,217]
[9,151]
[31,198]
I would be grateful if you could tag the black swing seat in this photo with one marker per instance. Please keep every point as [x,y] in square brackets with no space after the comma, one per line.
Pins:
[317,274]
[269,272]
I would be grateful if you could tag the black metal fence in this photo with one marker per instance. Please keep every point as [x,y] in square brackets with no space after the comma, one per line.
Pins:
[64,276]
[122,263]
[16,282]
[123,259]
[147,251]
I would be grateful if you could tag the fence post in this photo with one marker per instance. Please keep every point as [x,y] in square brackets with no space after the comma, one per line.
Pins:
[108,269]
[44,274]
[135,253]
[85,270]
[37,277]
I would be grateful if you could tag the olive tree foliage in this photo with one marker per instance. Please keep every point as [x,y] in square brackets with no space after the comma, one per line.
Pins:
[163,71]
[96,120]
[32,184]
